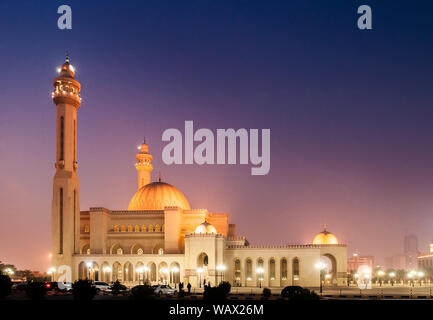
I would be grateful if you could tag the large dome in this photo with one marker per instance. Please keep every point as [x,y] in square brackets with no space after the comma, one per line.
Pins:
[325,237]
[157,196]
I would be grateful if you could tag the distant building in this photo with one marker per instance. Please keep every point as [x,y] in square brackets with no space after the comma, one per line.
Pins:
[397,262]
[411,251]
[354,262]
[425,260]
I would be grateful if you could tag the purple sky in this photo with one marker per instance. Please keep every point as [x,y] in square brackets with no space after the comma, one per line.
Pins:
[350,114]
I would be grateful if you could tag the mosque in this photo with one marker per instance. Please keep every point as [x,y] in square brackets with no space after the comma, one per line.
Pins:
[160,237]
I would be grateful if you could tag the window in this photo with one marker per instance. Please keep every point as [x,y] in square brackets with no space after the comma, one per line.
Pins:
[150,229]
[140,251]
[157,228]
[272,269]
[62,138]
[129,228]
[295,268]
[137,228]
[123,228]
[163,227]
[143,228]
[119,251]
[249,269]
[86,228]
[160,251]
[284,269]
[116,228]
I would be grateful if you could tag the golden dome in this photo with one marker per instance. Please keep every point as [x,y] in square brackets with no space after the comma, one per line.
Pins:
[205,228]
[157,196]
[325,237]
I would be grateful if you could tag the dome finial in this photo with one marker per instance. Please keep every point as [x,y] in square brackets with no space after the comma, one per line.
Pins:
[67,56]
[324,227]
[144,140]
[159,176]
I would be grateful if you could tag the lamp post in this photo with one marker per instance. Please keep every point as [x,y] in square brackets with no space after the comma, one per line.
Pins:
[260,272]
[89,266]
[420,275]
[199,271]
[221,268]
[174,270]
[51,272]
[392,276]
[380,273]
[321,266]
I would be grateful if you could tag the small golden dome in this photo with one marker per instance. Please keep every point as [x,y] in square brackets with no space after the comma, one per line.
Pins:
[325,237]
[205,228]
[157,196]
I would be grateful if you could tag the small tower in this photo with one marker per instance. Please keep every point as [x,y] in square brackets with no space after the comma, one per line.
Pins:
[144,165]
[65,205]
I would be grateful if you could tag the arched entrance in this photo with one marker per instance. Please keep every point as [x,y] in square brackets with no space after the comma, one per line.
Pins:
[117,272]
[128,271]
[329,272]
[152,271]
[174,273]
[163,272]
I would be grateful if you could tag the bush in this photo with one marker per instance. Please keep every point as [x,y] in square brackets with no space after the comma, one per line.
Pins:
[267,293]
[5,286]
[142,292]
[217,293]
[83,290]
[36,290]
[298,293]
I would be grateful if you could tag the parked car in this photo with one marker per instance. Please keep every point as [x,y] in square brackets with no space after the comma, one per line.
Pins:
[117,288]
[58,286]
[101,286]
[164,289]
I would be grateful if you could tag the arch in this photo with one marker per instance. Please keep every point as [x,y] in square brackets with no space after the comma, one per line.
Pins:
[163,272]
[283,272]
[82,270]
[116,228]
[249,269]
[271,267]
[202,260]
[152,271]
[157,228]
[137,249]
[86,228]
[137,228]
[116,249]
[295,270]
[150,228]
[129,228]
[331,268]
[140,272]
[237,273]
[143,228]
[122,228]
[117,273]
[85,249]
[174,272]
[105,272]
[128,272]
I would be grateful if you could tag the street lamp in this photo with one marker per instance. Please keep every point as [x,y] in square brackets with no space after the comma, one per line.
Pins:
[410,276]
[420,275]
[320,266]
[260,272]
[392,276]
[89,266]
[221,268]
[173,271]
[380,273]
[199,271]
[51,272]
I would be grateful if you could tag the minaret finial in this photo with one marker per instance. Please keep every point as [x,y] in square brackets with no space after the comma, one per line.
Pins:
[159,176]
[67,56]
[324,227]
[144,140]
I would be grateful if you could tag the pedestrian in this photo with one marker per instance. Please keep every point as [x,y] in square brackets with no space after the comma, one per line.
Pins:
[189,288]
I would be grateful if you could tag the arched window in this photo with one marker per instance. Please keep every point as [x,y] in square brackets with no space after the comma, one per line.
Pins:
[86,228]
[283,269]
[62,138]
[129,228]
[157,228]
[249,269]
[119,251]
[139,251]
[137,228]
[123,228]
[160,251]
[143,228]
[150,228]
[237,279]
[295,268]
[116,228]
[272,269]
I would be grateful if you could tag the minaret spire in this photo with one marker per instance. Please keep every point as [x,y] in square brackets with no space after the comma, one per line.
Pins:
[67,56]
[159,176]
[144,164]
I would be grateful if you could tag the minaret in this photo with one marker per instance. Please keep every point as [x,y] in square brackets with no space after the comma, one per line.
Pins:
[65,206]
[144,165]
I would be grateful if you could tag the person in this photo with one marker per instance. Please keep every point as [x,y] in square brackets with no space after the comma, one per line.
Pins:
[189,288]
[204,282]
[180,286]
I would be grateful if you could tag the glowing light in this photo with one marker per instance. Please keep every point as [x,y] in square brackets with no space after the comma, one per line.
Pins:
[164,270]
[107,269]
[260,270]
[221,267]
[420,274]
[392,274]
[89,264]
[72,68]
[328,276]
[58,70]
[200,270]
[380,273]
[320,265]
[174,269]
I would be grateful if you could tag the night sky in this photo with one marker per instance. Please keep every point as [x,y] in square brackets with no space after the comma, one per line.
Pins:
[350,114]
